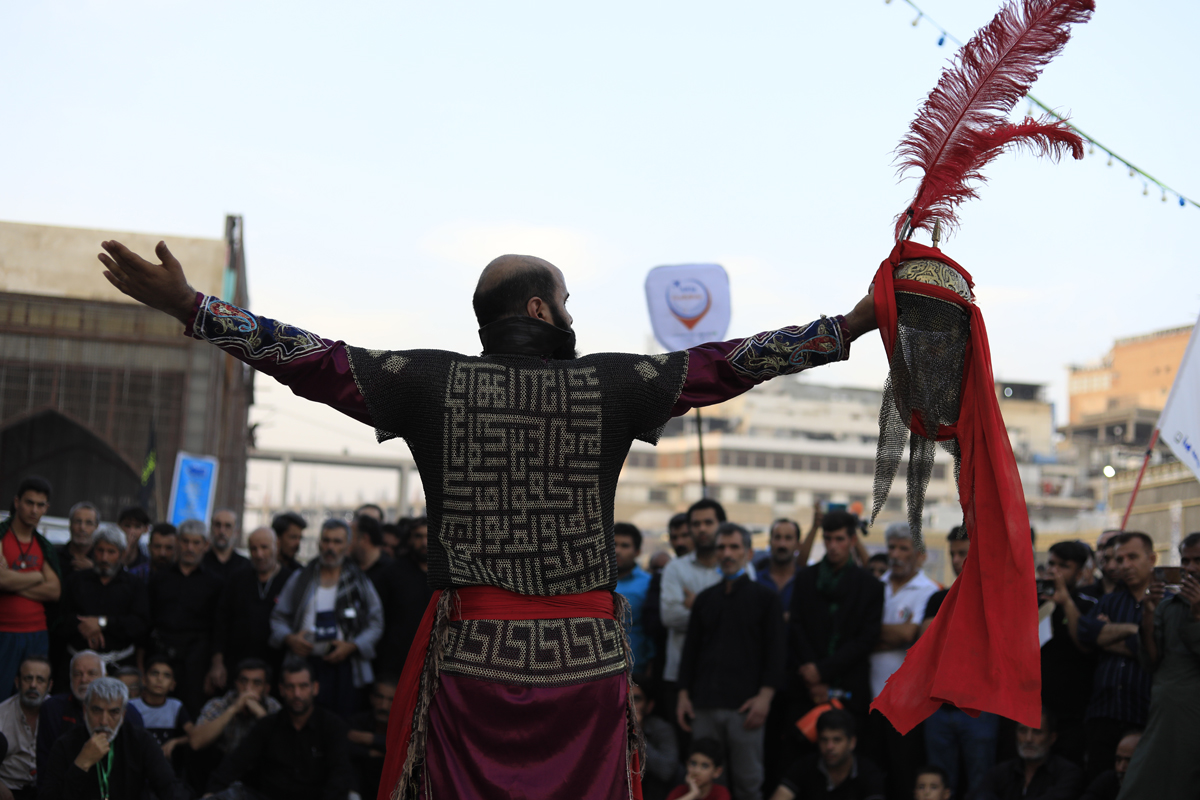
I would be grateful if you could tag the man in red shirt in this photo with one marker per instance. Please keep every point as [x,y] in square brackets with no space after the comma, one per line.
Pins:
[29,577]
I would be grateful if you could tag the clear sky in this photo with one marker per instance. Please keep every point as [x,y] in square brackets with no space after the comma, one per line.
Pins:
[382,153]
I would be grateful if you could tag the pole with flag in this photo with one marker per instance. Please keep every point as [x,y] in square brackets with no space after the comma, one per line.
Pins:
[145,497]
[1179,423]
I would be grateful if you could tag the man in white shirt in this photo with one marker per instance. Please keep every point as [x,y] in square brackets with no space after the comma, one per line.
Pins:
[906,592]
[19,723]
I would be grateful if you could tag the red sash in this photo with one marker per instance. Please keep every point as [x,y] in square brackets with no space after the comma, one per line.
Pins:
[476,602]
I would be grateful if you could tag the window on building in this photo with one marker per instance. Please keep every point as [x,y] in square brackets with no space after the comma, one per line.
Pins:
[726,458]
[743,459]
[797,462]
[785,496]
[893,504]
[747,494]
[779,462]
[814,463]
[658,496]
[760,460]
[939,472]
[851,465]
[833,465]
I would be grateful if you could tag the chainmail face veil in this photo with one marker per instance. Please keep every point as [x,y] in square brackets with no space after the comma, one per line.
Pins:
[924,386]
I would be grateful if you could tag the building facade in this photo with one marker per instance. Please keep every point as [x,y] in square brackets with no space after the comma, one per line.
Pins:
[98,392]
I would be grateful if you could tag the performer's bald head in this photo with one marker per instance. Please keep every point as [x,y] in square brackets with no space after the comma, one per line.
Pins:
[508,285]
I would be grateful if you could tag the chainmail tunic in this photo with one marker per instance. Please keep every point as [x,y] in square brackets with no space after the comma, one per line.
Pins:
[520,458]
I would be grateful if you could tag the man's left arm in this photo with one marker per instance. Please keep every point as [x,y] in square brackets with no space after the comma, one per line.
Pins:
[160,775]
[718,371]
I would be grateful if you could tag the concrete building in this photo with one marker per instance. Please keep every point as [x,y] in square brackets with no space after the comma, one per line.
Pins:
[87,374]
[1136,373]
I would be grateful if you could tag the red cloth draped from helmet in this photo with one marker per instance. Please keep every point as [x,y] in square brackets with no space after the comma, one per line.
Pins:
[478,602]
[981,652]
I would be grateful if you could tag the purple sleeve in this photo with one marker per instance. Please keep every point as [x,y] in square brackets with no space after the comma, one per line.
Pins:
[312,367]
[718,371]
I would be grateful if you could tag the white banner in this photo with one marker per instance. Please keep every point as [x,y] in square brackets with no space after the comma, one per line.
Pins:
[689,304]
[1179,425]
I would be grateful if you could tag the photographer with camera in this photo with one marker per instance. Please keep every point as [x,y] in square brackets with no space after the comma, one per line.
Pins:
[1165,763]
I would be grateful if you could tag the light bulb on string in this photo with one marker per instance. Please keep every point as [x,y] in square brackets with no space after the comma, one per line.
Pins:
[1181,203]
[1145,189]
[1091,148]
[1164,199]
[1110,160]
[942,39]
[1131,172]
[918,19]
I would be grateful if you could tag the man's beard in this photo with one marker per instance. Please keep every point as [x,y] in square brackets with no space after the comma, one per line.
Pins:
[32,699]
[337,561]
[565,351]
[420,556]
[107,572]
[783,556]
[112,732]
[298,708]
[1032,752]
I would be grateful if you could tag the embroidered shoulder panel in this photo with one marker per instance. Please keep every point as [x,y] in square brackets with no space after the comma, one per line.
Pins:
[541,652]
[258,338]
[788,350]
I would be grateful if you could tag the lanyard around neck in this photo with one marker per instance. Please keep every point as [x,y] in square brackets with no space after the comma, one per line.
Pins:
[103,769]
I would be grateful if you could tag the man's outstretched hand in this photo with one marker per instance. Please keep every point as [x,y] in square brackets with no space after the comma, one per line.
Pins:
[862,318]
[160,286]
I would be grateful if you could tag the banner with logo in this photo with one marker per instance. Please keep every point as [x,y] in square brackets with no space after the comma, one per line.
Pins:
[1179,425]
[689,304]
[194,488]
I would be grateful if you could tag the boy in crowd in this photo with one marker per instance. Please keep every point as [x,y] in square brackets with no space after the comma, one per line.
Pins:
[165,717]
[704,766]
[662,746]
[932,784]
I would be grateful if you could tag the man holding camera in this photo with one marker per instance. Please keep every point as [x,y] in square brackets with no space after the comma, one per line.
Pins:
[1165,763]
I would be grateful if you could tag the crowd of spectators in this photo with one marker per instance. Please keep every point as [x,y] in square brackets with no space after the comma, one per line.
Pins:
[141,659]
[188,669]
[755,674]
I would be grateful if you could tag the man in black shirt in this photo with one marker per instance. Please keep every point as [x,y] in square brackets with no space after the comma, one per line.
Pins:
[836,611]
[409,597]
[289,532]
[368,736]
[221,558]
[243,620]
[1067,669]
[183,602]
[106,608]
[103,758]
[299,753]
[732,662]
[1036,773]
[834,772]
[366,548]
[75,555]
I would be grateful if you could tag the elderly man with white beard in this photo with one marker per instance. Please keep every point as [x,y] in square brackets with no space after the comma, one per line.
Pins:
[1036,773]
[107,609]
[103,758]
[330,614]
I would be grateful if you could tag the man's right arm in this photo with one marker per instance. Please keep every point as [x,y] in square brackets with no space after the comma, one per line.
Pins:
[312,367]
[207,731]
[241,761]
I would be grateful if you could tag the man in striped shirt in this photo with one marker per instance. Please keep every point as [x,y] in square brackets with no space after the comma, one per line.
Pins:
[1121,690]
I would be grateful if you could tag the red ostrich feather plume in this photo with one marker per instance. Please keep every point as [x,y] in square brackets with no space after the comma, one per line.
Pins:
[963,124]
